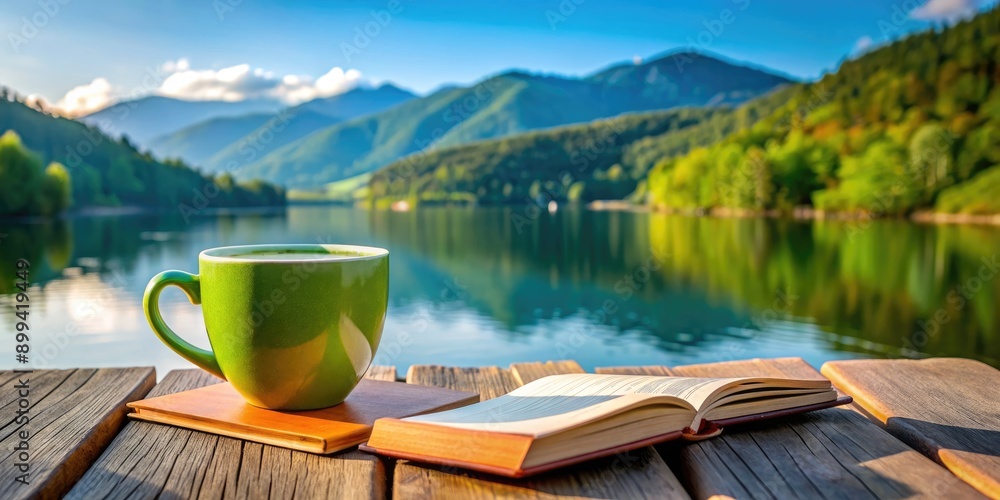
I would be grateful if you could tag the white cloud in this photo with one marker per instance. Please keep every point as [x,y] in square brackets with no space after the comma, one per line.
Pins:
[181,64]
[234,83]
[945,10]
[295,89]
[862,45]
[88,98]
[240,82]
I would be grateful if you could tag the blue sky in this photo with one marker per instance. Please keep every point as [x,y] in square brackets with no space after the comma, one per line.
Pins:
[417,44]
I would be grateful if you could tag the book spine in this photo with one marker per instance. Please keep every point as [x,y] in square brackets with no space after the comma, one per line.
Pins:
[449,445]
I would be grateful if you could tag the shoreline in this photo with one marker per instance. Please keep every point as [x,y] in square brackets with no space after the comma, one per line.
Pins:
[805,213]
[138,210]
[800,213]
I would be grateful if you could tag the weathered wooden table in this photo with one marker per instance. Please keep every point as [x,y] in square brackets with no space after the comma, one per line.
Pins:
[913,435]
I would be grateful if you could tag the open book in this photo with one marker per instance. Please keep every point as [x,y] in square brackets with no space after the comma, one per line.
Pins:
[564,419]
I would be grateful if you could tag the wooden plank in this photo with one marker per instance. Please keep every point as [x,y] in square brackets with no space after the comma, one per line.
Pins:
[149,460]
[947,408]
[73,415]
[489,381]
[529,372]
[654,370]
[638,474]
[830,453]
[379,372]
[777,368]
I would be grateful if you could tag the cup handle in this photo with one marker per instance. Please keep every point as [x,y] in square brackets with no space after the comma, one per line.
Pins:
[151,304]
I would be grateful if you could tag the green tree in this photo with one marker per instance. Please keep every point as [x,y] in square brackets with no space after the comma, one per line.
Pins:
[931,158]
[20,176]
[122,179]
[26,189]
[876,182]
[56,193]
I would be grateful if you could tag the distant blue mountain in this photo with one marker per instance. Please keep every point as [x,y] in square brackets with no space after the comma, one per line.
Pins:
[145,118]
[218,144]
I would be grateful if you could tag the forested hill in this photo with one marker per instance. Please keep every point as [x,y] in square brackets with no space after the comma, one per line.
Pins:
[914,125]
[599,160]
[103,171]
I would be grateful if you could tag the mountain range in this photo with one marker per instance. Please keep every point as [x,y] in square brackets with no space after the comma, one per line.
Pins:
[224,144]
[907,127]
[147,117]
[341,137]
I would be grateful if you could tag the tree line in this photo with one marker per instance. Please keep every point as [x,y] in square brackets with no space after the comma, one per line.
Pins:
[604,159]
[87,168]
[910,126]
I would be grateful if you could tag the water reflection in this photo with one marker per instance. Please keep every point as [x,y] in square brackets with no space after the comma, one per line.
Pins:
[471,286]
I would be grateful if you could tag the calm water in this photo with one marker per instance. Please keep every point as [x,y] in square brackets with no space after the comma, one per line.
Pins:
[478,287]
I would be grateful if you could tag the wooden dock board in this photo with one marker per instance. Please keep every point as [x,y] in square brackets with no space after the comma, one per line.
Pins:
[488,381]
[948,409]
[830,453]
[777,367]
[149,460]
[530,372]
[74,415]
[654,370]
[379,372]
[638,474]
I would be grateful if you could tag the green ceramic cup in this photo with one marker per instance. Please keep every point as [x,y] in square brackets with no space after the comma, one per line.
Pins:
[292,327]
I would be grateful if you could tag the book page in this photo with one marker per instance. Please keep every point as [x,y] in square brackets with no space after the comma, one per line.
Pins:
[560,402]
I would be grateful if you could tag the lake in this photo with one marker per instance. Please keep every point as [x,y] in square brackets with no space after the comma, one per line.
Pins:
[494,286]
